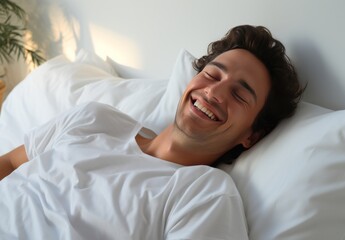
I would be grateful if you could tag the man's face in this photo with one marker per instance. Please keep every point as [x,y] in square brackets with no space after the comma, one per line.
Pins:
[221,103]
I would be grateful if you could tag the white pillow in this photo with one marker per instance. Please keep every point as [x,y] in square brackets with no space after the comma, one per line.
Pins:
[90,58]
[50,89]
[135,97]
[60,84]
[293,181]
[164,113]
[152,102]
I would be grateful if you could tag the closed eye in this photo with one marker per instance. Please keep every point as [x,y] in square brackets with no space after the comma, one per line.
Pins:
[239,97]
[211,76]
[246,86]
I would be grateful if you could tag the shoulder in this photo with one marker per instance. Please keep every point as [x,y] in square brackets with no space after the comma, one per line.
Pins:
[205,203]
[204,182]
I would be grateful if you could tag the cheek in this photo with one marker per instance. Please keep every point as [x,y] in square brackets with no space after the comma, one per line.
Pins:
[237,132]
[197,81]
[240,119]
[196,84]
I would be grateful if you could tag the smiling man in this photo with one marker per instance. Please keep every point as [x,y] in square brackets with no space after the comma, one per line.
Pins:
[92,174]
[216,111]
[245,86]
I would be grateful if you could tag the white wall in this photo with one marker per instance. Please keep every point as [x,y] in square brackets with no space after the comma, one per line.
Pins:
[146,35]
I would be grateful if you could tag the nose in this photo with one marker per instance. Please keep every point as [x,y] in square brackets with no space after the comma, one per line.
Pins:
[216,92]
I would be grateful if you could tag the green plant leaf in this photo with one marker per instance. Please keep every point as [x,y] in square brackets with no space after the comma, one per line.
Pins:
[11,35]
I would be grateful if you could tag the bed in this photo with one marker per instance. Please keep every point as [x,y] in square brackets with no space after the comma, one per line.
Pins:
[292,183]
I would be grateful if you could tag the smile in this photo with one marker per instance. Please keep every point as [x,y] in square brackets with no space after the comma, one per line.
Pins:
[206,111]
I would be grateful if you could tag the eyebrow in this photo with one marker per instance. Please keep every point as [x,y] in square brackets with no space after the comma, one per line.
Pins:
[242,82]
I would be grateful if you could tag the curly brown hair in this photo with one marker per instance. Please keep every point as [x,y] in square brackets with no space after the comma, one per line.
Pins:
[285,92]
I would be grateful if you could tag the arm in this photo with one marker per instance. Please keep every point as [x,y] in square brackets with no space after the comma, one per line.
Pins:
[12,160]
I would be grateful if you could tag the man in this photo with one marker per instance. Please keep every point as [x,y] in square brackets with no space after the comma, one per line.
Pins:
[245,86]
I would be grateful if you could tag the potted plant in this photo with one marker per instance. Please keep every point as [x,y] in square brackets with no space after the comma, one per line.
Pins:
[12,31]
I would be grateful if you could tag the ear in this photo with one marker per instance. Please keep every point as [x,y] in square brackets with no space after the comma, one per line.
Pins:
[251,140]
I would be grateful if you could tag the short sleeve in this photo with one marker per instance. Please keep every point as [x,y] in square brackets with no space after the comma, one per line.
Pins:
[208,208]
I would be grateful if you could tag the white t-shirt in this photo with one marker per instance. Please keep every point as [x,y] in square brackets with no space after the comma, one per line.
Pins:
[88,179]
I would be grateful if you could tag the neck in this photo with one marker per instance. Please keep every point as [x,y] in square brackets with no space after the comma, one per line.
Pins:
[178,150]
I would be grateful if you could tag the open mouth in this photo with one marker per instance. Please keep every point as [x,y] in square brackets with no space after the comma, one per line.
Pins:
[204,110]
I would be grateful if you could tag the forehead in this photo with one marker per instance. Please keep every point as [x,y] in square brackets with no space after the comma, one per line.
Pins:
[241,58]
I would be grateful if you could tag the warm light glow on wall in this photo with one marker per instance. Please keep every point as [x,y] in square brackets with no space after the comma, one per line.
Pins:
[28,42]
[116,46]
[66,32]
[56,30]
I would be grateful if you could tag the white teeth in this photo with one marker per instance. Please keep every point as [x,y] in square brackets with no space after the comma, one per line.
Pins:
[204,110]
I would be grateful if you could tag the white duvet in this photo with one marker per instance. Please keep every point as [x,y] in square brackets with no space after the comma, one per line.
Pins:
[88,179]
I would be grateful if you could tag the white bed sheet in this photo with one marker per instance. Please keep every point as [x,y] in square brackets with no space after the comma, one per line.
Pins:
[71,190]
[257,173]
